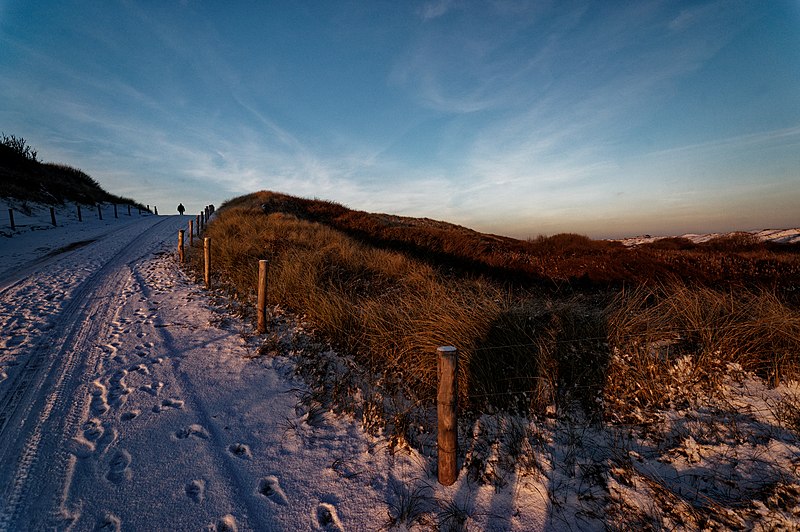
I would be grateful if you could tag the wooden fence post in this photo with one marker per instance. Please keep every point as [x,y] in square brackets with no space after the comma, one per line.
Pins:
[202,220]
[207,254]
[446,405]
[99,211]
[156,210]
[80,216]
[11,219]
[191,233]
[262,296]
[115,211]
[180,246]
[53,216]
[197,224]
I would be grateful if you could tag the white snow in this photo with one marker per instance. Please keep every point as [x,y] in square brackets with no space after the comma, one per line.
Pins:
[781,236]
[131,399]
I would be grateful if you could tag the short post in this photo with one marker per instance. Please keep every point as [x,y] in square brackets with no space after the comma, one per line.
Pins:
[148,207]
[156,210]
[262,296]
[207,254]
[180,246]
[115,211]
[446,405]
[191,233]
[129,209]
[99,211]
[11,219]
[80,216]
[53,216]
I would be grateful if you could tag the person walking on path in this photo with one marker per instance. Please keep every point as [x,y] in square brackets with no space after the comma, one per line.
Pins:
[181,208]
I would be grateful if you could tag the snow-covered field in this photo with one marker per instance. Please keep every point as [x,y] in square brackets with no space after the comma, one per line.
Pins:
[780,236]
[131,399]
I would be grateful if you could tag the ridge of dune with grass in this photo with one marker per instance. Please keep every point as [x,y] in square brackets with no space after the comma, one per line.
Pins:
[26,179]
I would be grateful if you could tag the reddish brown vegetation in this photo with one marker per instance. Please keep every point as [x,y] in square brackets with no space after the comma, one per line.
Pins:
[738,259]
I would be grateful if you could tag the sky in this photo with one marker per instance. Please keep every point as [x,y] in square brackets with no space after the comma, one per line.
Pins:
[605,118]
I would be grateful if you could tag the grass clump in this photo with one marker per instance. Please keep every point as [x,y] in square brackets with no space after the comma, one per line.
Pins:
[672,340]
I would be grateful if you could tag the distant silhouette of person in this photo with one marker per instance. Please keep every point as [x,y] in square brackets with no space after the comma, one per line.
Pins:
[181,208]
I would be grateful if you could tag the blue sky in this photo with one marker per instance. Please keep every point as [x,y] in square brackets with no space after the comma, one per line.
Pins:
[520,118]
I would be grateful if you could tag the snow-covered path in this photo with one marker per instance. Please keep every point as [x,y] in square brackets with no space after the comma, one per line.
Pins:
[124,403]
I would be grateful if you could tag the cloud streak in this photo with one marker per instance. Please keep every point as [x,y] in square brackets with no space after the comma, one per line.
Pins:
[511,116]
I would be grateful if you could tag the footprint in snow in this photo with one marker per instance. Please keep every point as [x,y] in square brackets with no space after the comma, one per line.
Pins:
[107,440]
[168,403]
[240,450]
[270,488]
[119,391]
[127,416]
[225,524]
[93,429]
[119,469]
[108,523]
[196,490]
[99,403]
[80,447]
[152,389]
[192,430]
[141,368]
[110,349]
[327,518]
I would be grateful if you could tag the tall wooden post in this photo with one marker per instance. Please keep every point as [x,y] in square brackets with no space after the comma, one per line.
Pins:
[11,219]
[53,216]
[197,224]
[156,210]
[446,405]
[115,211]
[262,296]
[80,216]
[202,220]
[99,211]
[191,233]
[207,254]
[180,246]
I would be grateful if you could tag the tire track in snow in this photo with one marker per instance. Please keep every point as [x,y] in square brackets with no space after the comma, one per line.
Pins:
[36,407]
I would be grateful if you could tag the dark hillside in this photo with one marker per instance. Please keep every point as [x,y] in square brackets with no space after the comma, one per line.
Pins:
[23,177]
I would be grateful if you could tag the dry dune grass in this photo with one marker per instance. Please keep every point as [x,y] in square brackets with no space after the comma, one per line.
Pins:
[563,259]
[674,338]
[391,311]
[607,349]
